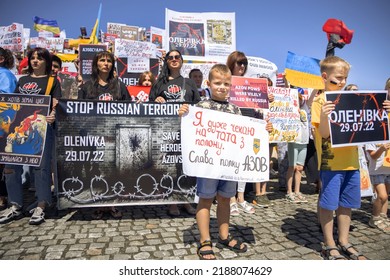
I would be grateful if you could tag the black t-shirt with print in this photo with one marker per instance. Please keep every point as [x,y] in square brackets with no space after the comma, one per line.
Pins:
[103,92]
[38,85]
[173,90]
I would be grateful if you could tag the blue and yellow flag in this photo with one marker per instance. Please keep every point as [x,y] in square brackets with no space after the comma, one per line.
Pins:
[41,24]
[303,71]
[93,39]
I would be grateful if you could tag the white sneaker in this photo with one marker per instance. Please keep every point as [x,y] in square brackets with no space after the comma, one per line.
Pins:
[9,214]
[246,207]
[38,216]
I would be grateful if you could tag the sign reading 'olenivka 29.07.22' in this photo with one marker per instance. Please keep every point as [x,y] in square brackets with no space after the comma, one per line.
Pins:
[358,118]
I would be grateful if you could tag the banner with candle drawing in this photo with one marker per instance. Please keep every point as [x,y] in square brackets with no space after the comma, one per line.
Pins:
[290,124]
[120,153]
[224,146]
[358,118]
[23,128]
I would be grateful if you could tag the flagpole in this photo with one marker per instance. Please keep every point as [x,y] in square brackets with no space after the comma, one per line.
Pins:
[98,25]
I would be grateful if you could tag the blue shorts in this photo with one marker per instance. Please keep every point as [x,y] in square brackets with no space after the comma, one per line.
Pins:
[208,188]
[340,188]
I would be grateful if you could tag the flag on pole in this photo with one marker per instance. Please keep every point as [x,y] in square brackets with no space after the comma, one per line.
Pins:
[41,24]
[93,39]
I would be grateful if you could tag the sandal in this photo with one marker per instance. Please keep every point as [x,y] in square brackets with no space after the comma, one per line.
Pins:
[115,213]
[246,207]
[225,243]
[325,253]
[234,210]
[202,254]
[351,255]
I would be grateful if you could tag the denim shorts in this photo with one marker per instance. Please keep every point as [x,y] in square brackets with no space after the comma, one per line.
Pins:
[340,188]
[380,179]
[296,154]
[208,188]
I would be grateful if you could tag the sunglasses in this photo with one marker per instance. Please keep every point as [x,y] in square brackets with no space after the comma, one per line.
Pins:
[242,62]
[171,57]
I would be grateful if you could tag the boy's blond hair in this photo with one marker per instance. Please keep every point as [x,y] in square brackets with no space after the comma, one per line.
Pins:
[387,85]
[219,68]
[329,63]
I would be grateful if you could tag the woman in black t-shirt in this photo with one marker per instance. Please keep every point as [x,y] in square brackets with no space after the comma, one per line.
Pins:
[103,85]
[171,85]
[37,82]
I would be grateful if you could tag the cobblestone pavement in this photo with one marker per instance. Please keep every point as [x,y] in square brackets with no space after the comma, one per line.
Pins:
[284,231]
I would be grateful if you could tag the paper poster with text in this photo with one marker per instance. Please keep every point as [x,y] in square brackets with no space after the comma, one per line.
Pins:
[289,123]
[23,128]
[126,48]
[249,92]
[130,68]
[366,187]
[12,37]
[86,55]
[52,44]
[201,34]
[120,153]
[224,146]
[358,118]
[259,67]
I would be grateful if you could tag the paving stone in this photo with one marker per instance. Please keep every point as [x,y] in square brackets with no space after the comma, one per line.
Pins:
[281,232]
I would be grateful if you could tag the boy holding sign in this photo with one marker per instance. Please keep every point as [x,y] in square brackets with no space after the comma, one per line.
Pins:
[339,167]
[219,83]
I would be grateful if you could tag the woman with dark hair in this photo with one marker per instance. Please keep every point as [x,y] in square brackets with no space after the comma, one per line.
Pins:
[103,84]
[237,63]
[7,79]
[37,82]
[171,85]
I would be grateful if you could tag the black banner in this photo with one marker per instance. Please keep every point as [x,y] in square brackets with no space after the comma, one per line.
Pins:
[358,118]
[119,153]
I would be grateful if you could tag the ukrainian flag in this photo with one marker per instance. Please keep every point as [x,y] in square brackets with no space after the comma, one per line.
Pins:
[93,39]
[303,71]
[41,24]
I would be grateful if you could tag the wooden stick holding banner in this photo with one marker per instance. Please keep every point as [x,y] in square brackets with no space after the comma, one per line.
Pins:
[225,146]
